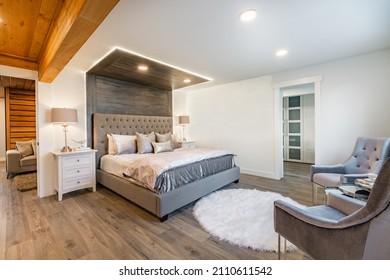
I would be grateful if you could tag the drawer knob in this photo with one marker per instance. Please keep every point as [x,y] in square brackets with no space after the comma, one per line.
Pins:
[78,160]
[78,171]
[78,182]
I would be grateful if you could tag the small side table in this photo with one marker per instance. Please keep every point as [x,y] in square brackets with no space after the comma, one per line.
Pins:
[74,171]
[187,144]
[354,191]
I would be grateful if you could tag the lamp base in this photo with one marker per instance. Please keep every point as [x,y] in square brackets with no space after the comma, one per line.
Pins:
[65,149]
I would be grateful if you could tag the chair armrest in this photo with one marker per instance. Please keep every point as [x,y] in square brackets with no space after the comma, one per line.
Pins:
[339,168]
[343,203]
[13,155]
[350,178]
[304,216]
[13,160]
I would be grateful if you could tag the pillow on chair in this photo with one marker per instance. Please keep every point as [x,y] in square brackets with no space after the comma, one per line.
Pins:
[25,148]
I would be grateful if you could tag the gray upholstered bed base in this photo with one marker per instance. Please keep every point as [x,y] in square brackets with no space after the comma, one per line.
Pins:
[158,204]
[163,204]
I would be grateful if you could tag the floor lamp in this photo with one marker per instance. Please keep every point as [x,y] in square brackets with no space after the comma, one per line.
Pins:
[64,116]
[183,121]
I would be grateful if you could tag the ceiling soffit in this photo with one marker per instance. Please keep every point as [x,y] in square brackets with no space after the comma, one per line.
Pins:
[123,65]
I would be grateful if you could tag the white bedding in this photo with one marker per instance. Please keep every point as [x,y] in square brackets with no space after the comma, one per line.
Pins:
[144,168]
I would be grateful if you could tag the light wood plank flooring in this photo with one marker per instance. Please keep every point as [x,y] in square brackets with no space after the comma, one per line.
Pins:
[103,225]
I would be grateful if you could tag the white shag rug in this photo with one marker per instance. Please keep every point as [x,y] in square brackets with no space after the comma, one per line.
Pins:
[243,217]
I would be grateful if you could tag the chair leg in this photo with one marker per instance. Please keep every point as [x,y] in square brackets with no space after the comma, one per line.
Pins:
[314,194]
[325,200]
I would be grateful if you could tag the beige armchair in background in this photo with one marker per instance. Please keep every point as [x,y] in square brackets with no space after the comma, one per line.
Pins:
[22,159]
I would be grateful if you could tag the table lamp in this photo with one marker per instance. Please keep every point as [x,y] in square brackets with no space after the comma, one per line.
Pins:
[64,116]
[183,121]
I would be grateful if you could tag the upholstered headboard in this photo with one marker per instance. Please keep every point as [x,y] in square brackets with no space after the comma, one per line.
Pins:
[126,125]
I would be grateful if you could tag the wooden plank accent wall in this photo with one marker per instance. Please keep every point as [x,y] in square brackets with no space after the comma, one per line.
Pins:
[20,116]
[112,96]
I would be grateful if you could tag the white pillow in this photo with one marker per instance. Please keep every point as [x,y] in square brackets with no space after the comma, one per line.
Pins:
[111,145]
[144,142]
[124,144]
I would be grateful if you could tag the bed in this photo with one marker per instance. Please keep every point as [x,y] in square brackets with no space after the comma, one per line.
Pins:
[161,204]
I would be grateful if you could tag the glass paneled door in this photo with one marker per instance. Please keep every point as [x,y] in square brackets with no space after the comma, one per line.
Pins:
[292,124]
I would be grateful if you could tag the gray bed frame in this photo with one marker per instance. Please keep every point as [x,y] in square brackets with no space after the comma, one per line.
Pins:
[160,205]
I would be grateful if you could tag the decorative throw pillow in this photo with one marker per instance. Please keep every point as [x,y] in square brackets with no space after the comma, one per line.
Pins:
[162,147]
[25,148]
[175,145]
[163,137]
[167,137]
[111,145]
[124,144]
[144,142]
[34,146]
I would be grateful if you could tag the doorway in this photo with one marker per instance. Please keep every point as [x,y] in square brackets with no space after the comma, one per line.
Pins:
[279,88]
[298,123]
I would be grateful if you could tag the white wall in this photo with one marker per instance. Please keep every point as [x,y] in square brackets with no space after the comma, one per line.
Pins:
[239,116]
[69,91]
[2,127]
[45,139]
[66,91]
[354,102]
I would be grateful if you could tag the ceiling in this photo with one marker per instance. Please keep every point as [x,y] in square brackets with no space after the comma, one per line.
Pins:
[43,35]
[16,83]
[207,37]
[122,65]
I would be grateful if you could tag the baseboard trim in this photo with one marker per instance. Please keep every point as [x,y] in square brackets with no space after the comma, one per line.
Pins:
[258,173]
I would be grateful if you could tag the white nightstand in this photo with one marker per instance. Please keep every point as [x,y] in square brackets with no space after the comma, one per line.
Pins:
[190,144]
[74,171]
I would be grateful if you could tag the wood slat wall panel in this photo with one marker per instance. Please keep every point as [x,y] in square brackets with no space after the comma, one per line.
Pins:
[20,116]
[22,102]
[24,97]
[23,113]
[24,108]
[113,96]
[22,129]
[28,135]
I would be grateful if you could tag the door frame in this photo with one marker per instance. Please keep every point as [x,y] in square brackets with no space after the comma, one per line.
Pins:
[278,121]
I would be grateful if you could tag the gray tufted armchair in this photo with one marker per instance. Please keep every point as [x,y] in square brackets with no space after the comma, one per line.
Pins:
[345,228]
[368,156]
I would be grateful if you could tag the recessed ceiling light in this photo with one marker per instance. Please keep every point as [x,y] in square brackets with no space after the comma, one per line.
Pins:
[248,15]
[143,67]
[281,52]
[187,81]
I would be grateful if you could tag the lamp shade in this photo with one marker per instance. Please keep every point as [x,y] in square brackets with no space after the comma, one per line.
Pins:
[184,119]
[63,115]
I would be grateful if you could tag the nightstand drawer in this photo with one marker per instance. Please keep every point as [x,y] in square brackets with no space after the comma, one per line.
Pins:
[76,172]
[71,161]
[74,184]
[187,144]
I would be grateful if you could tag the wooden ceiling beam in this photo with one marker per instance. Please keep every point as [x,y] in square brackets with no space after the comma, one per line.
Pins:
[18,62]
[76,22]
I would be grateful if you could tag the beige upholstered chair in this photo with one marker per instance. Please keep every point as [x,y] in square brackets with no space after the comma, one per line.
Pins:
[23,159]
[345,228]
[368,156]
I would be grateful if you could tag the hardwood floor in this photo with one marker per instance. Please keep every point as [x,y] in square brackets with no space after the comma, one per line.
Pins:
[103,225]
